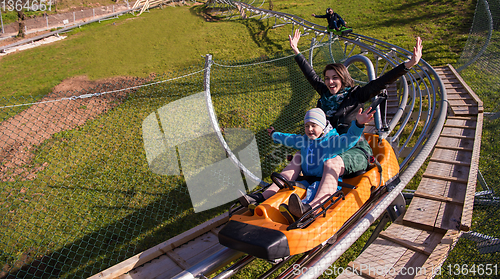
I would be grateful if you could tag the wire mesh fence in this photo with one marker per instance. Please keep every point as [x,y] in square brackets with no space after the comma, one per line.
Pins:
[476,254]
[80,191]
[77,192]
[77,195]
[52,21]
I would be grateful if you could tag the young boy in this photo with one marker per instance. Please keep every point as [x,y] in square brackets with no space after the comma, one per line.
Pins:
[320,143]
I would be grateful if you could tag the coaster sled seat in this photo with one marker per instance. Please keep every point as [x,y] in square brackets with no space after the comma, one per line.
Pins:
[265,233]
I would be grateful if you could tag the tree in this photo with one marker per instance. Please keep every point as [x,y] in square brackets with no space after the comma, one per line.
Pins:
[19,6]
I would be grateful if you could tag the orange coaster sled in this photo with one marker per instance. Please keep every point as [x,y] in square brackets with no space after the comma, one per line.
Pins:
[266,233]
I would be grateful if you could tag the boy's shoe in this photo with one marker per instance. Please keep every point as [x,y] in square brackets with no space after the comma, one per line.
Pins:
[296,207]
[251,199]
[286,213]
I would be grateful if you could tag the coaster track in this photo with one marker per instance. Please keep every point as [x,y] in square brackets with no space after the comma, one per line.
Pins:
[420,97]
[421,83]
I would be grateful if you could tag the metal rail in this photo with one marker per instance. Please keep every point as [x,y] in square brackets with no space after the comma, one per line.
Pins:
[433,90]
[421,83]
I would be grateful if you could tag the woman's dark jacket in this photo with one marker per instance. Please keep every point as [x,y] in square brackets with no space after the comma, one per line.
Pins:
[356,97]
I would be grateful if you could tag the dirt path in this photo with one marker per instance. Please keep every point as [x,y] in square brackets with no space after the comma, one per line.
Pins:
[21,134]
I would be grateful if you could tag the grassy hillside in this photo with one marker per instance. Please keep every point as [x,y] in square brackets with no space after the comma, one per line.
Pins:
[173,38]
[169,40]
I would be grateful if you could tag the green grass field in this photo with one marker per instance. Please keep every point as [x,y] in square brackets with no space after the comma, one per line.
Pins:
[169,39]
[105,205]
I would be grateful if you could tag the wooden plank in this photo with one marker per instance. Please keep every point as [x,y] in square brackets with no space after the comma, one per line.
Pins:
[439,255]
[452,155]
[382,254]
[160,249]
[455,141]
[202,255]
[474,118]
[465,110]
[437,160]
[453,147]
[152,269]
[449,189]
[192,250]
[446,170]
[456,136]
[471,186]
[458,126]
[361,270]
[450,81]
[437,198]
[458,103]
[422,214]
[404,243]
[433,186]
[178,260]
[456,98]
[408,264]
[457,92]
[446,178]
[432,215]
[469,90]
[388,259]
[458,131]
[449,215]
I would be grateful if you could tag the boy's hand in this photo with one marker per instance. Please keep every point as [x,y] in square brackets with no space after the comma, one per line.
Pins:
[364,117]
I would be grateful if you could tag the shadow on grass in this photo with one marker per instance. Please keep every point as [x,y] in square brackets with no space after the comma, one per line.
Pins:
[116,242]
[258,31]
[143,229]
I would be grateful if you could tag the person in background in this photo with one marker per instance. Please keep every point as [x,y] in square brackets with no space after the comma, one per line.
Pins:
[335,21]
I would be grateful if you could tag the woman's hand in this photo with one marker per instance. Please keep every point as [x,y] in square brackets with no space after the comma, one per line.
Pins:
[294,41]
[364,117]
[417,54]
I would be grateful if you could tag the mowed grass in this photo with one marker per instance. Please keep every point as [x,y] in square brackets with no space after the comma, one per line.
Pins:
[159,41]
[110,192]
[169,39]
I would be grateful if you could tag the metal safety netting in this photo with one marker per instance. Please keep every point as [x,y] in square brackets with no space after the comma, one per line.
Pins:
[476,253]
[92,177]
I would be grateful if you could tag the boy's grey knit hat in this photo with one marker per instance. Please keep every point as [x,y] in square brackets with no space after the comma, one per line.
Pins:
[317,116]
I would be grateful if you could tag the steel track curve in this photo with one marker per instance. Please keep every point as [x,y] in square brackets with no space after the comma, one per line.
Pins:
[422,83]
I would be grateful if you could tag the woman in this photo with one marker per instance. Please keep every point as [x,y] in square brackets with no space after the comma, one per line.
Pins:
[341,101]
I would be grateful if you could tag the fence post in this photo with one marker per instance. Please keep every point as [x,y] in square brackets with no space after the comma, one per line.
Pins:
[74,17]
[47,19]
[1,20]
